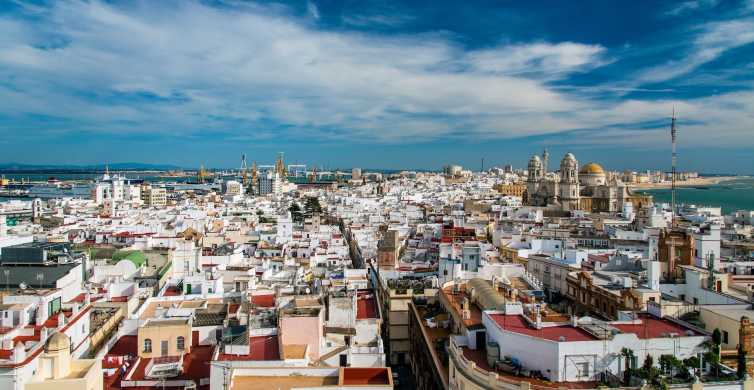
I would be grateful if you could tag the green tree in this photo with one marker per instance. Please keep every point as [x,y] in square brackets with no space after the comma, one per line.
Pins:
[741,369]
[648,363]
[312,205]
[691,363]
[296,214]
[665,364]
[713,355]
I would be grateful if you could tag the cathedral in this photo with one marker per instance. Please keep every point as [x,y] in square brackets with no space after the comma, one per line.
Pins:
[588,189]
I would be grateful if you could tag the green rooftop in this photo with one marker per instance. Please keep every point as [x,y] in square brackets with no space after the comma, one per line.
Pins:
[136,257]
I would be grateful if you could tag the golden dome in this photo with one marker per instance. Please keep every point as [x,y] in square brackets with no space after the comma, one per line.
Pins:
[592,169]
[58,342]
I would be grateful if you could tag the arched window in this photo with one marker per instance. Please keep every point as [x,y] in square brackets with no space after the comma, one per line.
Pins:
[147,345]
[180,343]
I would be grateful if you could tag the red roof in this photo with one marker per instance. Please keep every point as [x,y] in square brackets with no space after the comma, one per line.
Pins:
[366,307]
[365,376]
[172,291]
[126,345]
[78,298]
[260,348]
[653,327]
[517,324]
[266,300]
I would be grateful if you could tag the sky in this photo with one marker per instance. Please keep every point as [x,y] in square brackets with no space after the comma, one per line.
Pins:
[408,84]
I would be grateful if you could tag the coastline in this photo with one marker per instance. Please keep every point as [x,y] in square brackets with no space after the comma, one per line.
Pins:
[699,181]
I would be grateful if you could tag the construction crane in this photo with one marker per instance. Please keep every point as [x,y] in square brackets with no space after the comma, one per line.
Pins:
[244,173]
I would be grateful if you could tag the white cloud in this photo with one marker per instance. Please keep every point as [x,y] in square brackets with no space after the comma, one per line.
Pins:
[714,40]
[233,71]
[537,58]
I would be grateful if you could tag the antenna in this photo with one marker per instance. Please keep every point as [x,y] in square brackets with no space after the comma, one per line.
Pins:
[673,132]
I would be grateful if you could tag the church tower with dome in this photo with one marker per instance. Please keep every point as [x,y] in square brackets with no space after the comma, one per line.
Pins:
[535,175]
[569,183]
[571,188]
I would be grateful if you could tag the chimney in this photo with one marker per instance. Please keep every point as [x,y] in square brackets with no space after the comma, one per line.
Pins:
[19,353]
[653,275]
[574,321]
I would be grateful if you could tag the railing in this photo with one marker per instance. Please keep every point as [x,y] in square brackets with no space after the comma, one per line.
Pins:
[480,377]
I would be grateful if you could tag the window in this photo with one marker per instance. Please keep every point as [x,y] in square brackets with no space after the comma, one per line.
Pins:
[180,343]
[725,337]
[583,369]
[147,345]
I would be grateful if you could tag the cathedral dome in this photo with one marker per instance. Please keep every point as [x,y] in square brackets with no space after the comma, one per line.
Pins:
[592,169]
[592,174]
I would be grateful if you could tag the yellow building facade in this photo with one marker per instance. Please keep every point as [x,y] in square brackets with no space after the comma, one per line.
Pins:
[160,338]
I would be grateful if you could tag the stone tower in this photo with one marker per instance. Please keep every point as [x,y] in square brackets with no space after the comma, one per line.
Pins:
[534,179]
[569,182]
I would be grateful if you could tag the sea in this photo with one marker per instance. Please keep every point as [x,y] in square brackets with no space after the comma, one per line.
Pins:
[732,195]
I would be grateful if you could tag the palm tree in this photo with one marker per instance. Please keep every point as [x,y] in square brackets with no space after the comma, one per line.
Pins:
[628,356]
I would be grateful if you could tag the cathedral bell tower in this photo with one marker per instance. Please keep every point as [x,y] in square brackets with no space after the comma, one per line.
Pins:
[569,183]
[534,179]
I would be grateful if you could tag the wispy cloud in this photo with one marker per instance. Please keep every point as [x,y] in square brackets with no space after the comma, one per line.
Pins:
[249,72]
[312,9]
[537,58]
[361,20]
[690,6]
[712,41]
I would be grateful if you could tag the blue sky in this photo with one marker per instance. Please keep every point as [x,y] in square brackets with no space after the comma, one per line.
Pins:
[382,84]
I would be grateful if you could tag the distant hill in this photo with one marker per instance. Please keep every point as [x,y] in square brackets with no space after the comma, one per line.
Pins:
[96,167]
